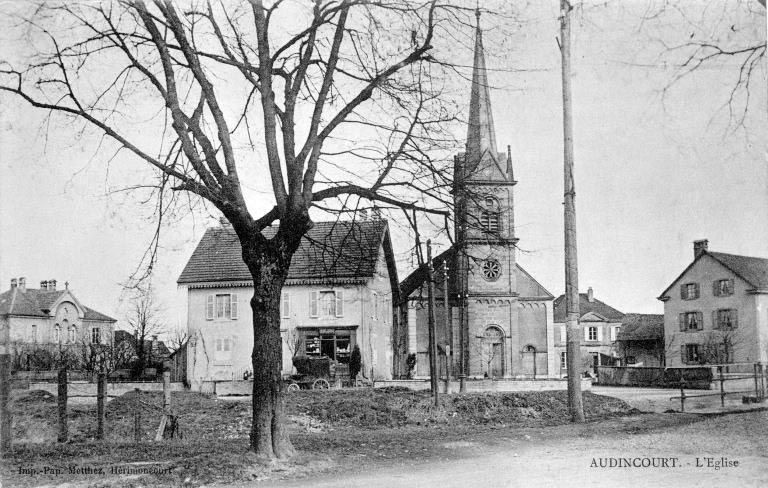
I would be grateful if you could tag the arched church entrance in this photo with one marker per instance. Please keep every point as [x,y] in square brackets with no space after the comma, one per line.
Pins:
[529,361]
[493,352]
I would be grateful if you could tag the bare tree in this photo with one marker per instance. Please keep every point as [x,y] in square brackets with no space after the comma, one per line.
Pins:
[144,320]
[716,34]
[177,338]
[291,74]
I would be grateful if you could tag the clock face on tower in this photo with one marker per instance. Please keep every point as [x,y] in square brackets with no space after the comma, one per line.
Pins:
[491,269]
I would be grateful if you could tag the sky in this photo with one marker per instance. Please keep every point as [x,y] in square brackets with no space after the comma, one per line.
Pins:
[655,169]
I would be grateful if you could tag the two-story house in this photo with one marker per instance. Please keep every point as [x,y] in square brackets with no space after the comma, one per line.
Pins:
[601,324]
[341,285]
[51,319]
[716,311]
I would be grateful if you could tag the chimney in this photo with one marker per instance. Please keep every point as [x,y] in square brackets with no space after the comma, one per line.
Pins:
[590,295]
[22,284]
[52,285]
[224,222]
[43,285]
[700,247]
[13,283]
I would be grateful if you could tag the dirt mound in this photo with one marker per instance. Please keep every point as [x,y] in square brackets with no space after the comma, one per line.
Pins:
[393,407]
[35,397]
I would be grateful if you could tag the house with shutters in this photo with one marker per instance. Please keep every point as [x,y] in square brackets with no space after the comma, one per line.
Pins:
[716,310]
[341,285]
[49,318]
[601,324]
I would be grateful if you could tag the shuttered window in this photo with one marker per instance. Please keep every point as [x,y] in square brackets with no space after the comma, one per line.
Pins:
[725,319]
[221,306]
[722,288]
[326,303]
[689,291]
[691,321]
[286,305]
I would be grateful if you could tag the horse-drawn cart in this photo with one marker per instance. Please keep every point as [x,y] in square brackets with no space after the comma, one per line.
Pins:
[315,373]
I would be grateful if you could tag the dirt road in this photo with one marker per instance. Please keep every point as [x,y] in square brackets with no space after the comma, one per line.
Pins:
[571,456]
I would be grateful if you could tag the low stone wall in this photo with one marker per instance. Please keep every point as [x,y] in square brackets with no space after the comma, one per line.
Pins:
[113,389]
[500,385]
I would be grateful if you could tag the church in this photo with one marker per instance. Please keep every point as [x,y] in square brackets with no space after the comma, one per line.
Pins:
[498,322]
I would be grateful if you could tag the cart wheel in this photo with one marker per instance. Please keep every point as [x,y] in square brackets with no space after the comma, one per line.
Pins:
[320,384]
[293,387]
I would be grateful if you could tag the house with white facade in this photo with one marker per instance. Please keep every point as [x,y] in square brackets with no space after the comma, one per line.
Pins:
[49,318]
[339,293]
[601,324]
[716,310]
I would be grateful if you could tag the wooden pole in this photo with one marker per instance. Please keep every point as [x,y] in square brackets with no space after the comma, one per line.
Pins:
[101,403]
[433,372]
[62,379]
[448,322]
[5,387]
[167,392]
[722,386]
[573,330]
[137,417]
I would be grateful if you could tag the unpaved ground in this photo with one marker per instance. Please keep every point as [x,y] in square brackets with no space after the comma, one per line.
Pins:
[563,457]
[661,399]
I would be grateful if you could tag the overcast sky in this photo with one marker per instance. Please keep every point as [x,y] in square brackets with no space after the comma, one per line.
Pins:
[653,172]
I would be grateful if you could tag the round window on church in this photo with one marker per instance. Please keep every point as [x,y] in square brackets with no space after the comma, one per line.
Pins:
[491,269]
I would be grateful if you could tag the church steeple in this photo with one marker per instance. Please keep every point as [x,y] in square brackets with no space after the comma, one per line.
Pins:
[481,133]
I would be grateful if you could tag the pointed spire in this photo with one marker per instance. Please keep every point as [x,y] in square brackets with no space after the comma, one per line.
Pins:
[481,133]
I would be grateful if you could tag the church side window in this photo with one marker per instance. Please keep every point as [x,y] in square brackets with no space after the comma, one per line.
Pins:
[57,333]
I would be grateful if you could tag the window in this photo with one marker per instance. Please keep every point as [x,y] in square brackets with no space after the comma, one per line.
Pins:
[631,359]
[96,335]
[689,291]
[592,333]
[72,334]
[33,334]
[491,269]
[286,305]
[691,321]
[489,215]
[326,303]
[221,306]
[56,333]
[333,343]
[614,332]
[725,319]
[562,334]
[563,360]
[722,288]
[690,354]
[223,351]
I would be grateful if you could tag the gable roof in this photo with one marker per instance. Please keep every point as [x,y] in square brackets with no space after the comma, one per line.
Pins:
[529,287]
[641,327]
[585,307]
[329,250]
[753,270]
[37,303]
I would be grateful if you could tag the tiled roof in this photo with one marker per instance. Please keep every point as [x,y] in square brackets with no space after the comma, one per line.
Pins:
[641,327]
[526,284]
[157,349]
[585,306]
[36,303]
[330,250]
[752,270]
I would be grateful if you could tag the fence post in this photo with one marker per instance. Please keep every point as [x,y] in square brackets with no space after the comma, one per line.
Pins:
[137,417]
[62,379]
[762,381]
[757,387]
[101,402]
[682,394]
[167,392]
[722,389]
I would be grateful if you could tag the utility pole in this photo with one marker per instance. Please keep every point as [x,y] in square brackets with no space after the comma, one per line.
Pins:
[5,387]
[433,372]
[448,330]
[573,331]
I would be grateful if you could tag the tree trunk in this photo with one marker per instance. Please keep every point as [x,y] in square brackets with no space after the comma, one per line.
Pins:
[268,262]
